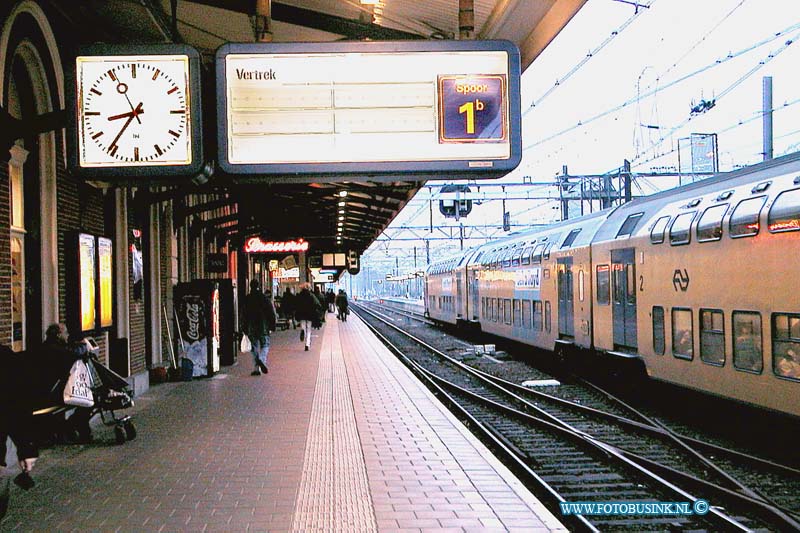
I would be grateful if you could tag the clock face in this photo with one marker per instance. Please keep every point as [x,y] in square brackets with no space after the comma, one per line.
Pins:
[133,111]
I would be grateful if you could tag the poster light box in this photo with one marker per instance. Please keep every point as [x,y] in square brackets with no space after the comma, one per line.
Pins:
[298,111]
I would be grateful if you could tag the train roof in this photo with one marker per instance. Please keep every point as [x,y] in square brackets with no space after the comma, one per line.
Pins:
[625,221]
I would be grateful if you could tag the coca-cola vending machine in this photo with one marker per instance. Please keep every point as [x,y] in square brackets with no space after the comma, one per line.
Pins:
[197,309]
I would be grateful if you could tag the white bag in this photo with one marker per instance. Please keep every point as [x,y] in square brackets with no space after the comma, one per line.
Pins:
[245,345]
[78,390]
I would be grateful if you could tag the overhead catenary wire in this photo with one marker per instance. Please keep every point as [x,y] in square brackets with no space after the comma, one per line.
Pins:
[690,75]
[761,64]
[741,122]
[592,53]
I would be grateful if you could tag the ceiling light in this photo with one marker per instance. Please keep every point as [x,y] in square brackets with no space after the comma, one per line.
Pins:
[342,204]
[342,193]
[369,2]
[341,218]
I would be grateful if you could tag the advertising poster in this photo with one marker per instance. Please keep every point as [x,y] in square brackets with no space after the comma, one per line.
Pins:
[105,252]
[86,267]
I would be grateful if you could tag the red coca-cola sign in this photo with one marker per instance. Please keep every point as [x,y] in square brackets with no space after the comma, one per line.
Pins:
[256,245]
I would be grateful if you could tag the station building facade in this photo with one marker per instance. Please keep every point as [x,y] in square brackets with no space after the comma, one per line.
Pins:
[160,233]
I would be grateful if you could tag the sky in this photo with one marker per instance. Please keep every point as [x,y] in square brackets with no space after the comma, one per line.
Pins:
[616,84]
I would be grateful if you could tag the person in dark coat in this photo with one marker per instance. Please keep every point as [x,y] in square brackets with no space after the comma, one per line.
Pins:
[59,355]
[16,419]
[287,307]
[341,304]
[307,310]
[330,299]
[322,306]
[258,322]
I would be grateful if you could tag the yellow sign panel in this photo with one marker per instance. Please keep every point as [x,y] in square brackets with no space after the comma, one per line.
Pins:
[105,252]
[86,249]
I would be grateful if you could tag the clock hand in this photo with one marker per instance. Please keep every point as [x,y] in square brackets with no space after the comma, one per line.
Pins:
[136,112]
[128,114]
[122,88]
[130,104]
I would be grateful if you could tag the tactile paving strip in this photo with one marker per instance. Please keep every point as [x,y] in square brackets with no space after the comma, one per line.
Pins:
[334,493]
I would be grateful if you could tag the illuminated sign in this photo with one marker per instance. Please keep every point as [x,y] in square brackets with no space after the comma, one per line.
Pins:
[86,281]
[135,111]
[299,110]
[105,252]
[256,245]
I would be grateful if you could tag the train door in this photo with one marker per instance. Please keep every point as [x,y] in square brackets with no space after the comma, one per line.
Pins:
[475,297]
[459,294]
[566,303]
[624,298]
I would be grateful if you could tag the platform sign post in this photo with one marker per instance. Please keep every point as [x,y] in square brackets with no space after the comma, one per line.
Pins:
[310,112]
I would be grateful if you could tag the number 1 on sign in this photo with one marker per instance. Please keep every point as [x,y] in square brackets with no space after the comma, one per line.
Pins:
[469,109]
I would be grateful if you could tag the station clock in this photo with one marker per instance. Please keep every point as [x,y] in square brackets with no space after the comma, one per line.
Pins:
[136,112]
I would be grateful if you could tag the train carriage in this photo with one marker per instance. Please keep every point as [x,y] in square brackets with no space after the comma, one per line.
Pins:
[711,273]
[701,283]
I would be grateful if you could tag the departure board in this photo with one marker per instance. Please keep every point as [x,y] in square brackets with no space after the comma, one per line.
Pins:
[368,108]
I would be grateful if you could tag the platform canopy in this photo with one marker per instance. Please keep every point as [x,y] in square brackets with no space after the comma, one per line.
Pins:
[311,210]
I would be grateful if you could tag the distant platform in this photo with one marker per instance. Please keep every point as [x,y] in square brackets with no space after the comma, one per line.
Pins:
[407,304]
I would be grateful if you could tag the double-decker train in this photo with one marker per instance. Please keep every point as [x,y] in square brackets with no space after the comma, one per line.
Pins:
[701,283]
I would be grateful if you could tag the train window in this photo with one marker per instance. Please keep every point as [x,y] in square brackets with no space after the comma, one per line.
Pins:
[515,261]
[603,285]
[724,196]
[537,315]
[526,256]
[657,233]
[682,333]
[570,238]
[679,231]
[526,314]
[547,316]
[658,331]
[517,313]
[709,227]
[761,187]
[712,337]
[786,345]
[536,256]
[580,285]
[507,258]
[498,310]
[744,219]
[747,346]
[784,215]
[629,225]
[507,310]
[546,253]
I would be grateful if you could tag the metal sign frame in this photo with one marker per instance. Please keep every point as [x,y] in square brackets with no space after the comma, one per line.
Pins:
[293,172]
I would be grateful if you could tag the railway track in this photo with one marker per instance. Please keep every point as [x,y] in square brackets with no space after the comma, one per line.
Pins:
[598,449]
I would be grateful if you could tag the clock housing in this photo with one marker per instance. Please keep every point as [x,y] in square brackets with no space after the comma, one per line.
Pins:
[135,112]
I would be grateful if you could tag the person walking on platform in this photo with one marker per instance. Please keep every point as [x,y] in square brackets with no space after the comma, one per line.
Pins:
[341,304]
[287,308]
[330,299]
[258,321]
[307,310]
[322,306]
